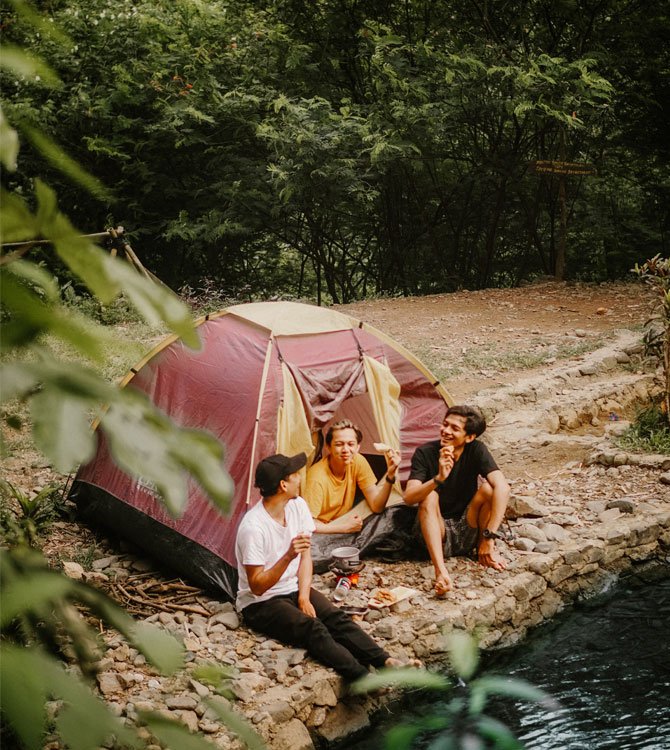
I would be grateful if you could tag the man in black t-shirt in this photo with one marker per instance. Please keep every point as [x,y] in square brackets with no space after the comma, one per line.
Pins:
[461,493]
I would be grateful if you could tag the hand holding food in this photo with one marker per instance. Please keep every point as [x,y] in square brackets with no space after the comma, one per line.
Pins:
[445,461]
[392,457]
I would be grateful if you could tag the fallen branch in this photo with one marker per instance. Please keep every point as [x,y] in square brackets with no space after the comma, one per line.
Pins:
[165,606]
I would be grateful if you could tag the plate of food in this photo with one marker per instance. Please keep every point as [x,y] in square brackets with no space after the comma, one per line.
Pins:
[387,597]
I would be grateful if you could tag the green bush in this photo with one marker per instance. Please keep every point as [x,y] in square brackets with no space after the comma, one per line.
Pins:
[117,311]
[24,517]
[649,433]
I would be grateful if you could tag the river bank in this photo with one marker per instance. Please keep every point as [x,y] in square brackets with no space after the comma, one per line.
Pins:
[603,661]
[557,369]
[591,519]
[295,703]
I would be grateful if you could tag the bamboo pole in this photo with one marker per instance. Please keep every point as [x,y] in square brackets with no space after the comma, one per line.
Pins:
[19,249]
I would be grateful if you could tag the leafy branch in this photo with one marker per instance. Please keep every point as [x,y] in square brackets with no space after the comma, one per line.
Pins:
[655,273]
[40,619]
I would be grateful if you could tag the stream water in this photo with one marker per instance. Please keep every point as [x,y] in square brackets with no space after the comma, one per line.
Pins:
[607,663]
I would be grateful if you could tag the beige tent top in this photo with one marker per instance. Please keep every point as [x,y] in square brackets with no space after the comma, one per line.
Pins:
[293,318]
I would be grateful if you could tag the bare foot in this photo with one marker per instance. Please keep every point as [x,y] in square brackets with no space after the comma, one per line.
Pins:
[398,663]
[442,584]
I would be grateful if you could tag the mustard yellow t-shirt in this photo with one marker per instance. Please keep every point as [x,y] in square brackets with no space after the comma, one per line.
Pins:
[329,497]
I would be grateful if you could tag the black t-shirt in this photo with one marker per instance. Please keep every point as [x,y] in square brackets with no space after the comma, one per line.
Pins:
[461,484]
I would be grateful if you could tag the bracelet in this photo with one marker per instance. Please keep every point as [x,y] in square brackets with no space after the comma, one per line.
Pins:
[438,482]
[390,480]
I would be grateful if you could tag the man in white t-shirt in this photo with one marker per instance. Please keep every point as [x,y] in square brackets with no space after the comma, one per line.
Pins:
[274,564]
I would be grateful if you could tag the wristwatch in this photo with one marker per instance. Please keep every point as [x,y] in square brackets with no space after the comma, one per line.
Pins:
[488,534]
[438,482]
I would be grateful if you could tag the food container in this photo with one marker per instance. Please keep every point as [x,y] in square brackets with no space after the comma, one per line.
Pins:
[346,558]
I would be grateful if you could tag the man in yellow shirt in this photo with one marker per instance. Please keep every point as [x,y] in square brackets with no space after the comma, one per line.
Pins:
[332,482]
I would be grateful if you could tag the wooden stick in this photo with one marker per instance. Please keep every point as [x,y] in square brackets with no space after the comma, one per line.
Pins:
[30,243]
[165,606]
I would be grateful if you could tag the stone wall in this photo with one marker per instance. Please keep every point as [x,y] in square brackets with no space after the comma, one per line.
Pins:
[563,546]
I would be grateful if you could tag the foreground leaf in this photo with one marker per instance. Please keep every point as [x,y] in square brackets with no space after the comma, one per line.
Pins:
[242,729]
[405,677]
[17,379]
[156,303]
[45,587]
[499,733]
[160,648]
[9,139]
[17,223]
[463,653]
[17,61]
[28,676]
[172,734]
[401,737]
[61,428]
[63,162]
[509,687]
[32,313]
[23,690]
[145,443]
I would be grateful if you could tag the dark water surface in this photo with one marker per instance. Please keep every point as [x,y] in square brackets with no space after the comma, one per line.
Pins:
[607,663]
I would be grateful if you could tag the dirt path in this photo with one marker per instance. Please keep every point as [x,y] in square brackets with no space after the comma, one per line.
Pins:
[475,340]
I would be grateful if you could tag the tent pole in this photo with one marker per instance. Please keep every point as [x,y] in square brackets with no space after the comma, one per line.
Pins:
[264,377]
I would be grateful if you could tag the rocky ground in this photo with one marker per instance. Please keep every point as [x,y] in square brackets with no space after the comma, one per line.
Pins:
[558,370]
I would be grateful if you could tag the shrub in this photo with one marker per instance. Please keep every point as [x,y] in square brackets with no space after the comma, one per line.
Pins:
[22,517]
[649,433]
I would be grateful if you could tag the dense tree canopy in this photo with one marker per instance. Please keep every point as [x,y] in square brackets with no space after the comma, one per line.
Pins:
[342,148]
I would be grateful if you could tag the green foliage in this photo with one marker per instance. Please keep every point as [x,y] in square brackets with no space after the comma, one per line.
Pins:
[461,723]
[172,734]
[312,151]
[118,311]
[40,621]
[64,395]
[655,273]
[28,678]
[30,516]
[649,432]
[38,608]
[216,676]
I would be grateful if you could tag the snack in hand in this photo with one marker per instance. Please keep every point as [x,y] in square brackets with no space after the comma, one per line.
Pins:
[382,447]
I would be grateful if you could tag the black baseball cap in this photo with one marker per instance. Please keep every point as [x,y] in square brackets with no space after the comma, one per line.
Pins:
[271,470]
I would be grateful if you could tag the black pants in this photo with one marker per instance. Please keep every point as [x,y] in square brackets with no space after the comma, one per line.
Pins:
[331,637]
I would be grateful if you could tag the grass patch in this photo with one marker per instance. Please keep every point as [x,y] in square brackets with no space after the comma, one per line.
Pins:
[117,311]
[125,344]
[489,357]
[649,433]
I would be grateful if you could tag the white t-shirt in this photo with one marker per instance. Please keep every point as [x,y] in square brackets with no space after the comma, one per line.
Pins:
[262,541]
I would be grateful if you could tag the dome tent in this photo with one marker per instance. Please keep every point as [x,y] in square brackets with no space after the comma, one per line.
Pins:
[269,378]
